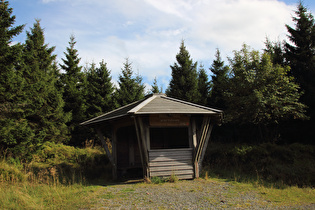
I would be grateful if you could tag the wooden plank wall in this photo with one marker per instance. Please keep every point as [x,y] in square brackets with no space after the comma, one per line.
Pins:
[165,162]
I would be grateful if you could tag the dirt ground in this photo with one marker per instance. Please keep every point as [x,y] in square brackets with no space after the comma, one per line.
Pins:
[189,194]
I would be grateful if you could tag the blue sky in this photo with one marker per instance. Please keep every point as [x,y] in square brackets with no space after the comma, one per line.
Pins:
[149,32]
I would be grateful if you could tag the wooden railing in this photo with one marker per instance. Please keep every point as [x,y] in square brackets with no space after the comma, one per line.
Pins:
[167,162]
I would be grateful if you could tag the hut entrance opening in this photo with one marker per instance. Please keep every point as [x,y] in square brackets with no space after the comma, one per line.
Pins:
[128,156]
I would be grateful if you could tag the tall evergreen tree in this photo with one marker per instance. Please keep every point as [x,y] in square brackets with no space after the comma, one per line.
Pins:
[12,126]
[74,94]
[130,87]
[183,84]
[100,90]
[44,109]
[219,82]
[300,55]
[203,86]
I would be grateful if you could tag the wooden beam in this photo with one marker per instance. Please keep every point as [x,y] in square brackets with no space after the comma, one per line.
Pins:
[144,146]
[205,145]
[109,155]
[201,143]
[139,144]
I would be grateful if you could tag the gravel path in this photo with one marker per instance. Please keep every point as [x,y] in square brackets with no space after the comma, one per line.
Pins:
[193,194]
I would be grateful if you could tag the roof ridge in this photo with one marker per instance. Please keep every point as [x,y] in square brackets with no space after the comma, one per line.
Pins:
[142,104]
[192,104]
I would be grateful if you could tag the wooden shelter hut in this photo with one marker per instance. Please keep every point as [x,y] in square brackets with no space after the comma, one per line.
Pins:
[158,136]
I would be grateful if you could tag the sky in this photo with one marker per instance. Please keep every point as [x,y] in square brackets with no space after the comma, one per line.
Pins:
[149,32]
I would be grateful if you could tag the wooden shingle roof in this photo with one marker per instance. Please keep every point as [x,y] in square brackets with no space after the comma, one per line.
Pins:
[156,104]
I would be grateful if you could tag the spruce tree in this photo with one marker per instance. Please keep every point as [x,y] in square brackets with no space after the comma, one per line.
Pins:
[183,84]
[155,87]
[9,54]
[203,86]
[74,93]
[130,88]
[219,82]
[300,56]
[44,107]
[100,90]
[13,128]
[276,52]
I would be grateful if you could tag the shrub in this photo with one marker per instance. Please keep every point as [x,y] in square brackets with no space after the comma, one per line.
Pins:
[288,164]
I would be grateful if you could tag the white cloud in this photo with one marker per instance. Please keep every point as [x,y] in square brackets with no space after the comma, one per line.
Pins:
[149,31]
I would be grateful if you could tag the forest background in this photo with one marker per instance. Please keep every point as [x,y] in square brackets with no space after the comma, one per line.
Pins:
[268,98]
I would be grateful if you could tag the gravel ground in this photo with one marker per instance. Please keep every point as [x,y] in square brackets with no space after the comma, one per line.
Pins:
[192,194]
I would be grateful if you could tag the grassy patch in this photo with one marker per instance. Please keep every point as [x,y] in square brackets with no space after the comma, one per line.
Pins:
[58,177]
[43,196]
[290,196]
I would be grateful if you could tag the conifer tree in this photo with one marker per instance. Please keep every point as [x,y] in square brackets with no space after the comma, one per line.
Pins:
[300,56]
[100,90]
[44,107]
[155,87]
[13,128]
[203,86]
[74,93]
[219,82]
[130,88]
[276,52]
[183,84]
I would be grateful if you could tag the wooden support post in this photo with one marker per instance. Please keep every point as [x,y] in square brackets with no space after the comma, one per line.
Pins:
[201,143]
[109,155]
[205,146]
[144,147]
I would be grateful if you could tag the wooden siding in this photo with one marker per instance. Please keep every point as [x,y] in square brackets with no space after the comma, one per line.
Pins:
[165,162]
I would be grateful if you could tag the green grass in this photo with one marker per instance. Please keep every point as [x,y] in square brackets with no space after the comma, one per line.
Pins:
[44,196]
[63,177]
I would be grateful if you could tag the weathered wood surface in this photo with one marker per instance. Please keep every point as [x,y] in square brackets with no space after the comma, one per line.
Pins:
[167,162]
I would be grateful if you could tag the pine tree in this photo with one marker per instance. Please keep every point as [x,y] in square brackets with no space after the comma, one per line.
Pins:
[130,88]
[44,107]
[183,84]
[203,86]
[276,52]
[74,93]
[9,54]
[155,87]
[100,90]
[300,53]
[12,127]
[219,82]
[300,56]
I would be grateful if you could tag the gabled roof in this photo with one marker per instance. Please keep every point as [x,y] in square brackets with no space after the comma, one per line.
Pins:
[156,104]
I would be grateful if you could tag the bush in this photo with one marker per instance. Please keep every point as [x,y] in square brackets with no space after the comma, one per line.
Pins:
[58,163]
[287,164]
[10,172]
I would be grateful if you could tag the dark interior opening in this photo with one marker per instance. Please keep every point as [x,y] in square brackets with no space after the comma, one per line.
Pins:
[128,154]
[169,137]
